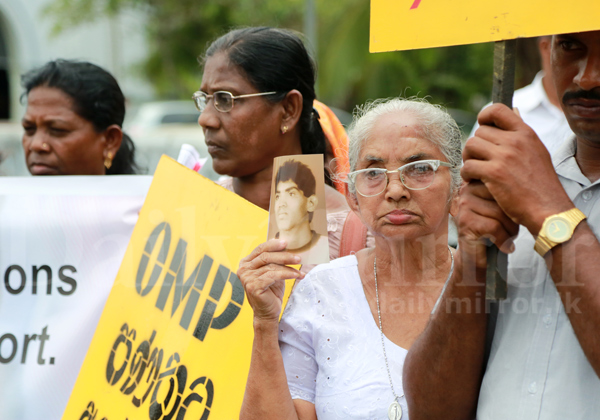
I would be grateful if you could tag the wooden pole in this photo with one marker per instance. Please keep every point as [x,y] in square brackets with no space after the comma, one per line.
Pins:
[502,92]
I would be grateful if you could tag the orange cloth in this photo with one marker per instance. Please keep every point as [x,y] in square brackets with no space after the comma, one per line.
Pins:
[338,139]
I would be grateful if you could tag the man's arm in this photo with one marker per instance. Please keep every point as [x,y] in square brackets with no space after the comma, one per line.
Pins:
[516,168]
[444,367]
[574,267]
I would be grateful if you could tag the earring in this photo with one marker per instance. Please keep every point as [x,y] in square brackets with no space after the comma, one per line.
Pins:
[284,129]
[45,146]
[108,160]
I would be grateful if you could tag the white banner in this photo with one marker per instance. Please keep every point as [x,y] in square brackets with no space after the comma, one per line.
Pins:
[62,240]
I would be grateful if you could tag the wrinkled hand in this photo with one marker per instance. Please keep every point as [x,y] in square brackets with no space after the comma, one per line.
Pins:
[263,273]
[509,159]
[480,217]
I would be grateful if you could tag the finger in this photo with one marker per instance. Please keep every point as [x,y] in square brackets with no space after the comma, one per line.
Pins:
[490,209]
[278,272]
[473,170]
[483,219]
[493,171]
[486,141]
[279,257]
[481,228]
[271,273]
[269,246]
[479,148]
[503,240]
[478,189]
[260,284]
[488,132]
[476,196]
[501,116]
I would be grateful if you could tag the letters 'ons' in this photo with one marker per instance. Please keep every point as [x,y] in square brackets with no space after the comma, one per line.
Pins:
[190,288]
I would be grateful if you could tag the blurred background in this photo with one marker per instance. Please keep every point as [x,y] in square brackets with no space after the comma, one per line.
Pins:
[152,48]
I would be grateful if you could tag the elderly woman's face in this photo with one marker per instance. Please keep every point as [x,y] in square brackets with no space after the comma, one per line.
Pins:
[398,211]
[241,141]
[56,140]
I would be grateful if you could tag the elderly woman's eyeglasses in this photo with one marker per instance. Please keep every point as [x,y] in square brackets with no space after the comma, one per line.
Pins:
[414,176]
[222,100]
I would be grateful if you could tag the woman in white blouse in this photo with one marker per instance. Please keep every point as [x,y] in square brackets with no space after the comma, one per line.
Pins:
[339,349]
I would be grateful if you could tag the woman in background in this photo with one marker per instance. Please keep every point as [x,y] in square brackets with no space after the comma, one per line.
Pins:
[256,103]
[73,121]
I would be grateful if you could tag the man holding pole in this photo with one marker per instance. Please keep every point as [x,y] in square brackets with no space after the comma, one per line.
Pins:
[536,355]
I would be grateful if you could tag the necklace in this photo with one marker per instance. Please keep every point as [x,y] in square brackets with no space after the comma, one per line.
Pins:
[395,409]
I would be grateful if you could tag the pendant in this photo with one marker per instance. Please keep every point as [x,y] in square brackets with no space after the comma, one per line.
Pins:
[395,411]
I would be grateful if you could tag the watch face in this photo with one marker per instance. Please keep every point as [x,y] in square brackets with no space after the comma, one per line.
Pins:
[558,230]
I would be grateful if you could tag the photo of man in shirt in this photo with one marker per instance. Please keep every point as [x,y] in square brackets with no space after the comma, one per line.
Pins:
[293,206]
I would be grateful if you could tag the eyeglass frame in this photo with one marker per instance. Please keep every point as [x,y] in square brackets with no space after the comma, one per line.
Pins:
[435,163]
[198,94]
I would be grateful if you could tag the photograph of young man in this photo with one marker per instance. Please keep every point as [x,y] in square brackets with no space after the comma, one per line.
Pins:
[295,203]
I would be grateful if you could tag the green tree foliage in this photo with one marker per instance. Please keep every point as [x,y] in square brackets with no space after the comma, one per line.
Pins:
[349,74]
[179,30]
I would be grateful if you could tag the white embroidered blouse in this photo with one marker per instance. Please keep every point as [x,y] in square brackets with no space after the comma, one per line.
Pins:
[331,347]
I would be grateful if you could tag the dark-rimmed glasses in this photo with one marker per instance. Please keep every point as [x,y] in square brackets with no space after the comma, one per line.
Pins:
[414,176]
[222,100]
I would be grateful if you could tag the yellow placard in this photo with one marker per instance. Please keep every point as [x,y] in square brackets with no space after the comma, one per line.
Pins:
[413,24]
[175,337]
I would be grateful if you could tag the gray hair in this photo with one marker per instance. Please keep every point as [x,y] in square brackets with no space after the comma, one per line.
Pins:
[435,124]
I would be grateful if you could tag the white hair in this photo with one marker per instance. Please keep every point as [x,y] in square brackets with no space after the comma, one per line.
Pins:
[434,124]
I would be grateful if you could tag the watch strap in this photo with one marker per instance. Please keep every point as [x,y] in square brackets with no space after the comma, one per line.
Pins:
[543,244]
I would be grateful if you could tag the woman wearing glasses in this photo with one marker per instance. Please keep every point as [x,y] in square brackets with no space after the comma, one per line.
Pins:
[340,347]
[256,103]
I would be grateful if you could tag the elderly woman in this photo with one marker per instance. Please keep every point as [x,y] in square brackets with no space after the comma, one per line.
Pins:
[72,123]
[339,349]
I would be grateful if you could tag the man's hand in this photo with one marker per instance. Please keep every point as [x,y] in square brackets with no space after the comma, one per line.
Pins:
[480,217]
[514,165]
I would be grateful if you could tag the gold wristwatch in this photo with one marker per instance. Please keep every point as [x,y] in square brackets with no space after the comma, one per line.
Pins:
[557,229]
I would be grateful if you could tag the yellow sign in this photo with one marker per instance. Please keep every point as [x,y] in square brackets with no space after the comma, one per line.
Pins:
[413,24]
[175,337]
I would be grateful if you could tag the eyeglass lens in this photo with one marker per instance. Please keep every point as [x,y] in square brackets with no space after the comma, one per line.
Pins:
[223,101]
[415,176]
[199,100]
